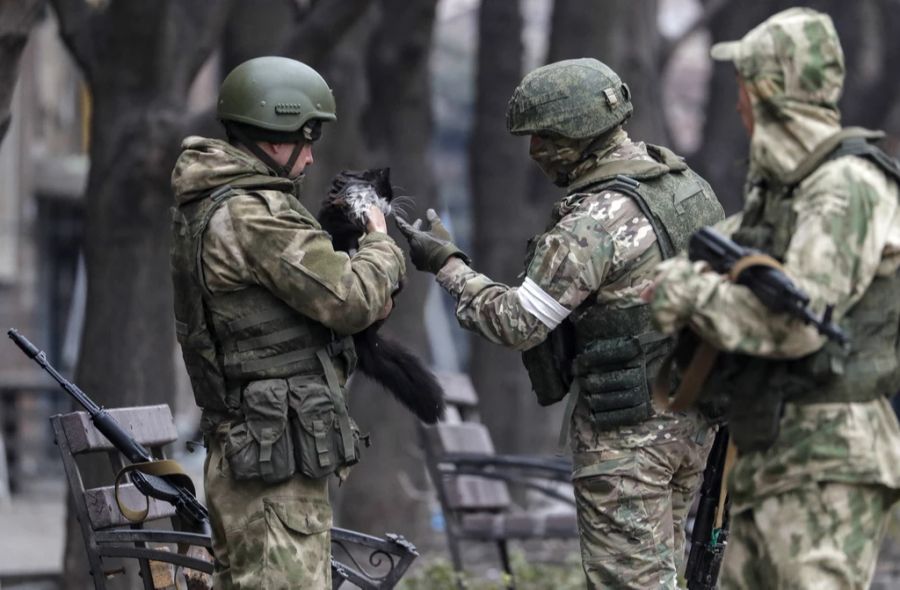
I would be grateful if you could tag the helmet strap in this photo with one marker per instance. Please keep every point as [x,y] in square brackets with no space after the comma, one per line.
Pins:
[295,153]
[264,157]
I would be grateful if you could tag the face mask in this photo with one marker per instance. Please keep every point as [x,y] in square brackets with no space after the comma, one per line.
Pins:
[557,156]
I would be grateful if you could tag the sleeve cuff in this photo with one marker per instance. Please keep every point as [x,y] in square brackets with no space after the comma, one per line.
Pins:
[375,236]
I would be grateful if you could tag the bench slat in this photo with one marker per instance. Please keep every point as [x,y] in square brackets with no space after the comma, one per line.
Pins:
[458,389]
[151,426]
[104,512]
[468,492]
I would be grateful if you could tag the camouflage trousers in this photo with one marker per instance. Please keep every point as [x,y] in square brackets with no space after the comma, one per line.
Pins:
[267,536]
[632,506]
[823,536]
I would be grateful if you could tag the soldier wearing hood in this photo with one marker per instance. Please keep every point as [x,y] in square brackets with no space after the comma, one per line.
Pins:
[818,465]
[577,315]
[264,310]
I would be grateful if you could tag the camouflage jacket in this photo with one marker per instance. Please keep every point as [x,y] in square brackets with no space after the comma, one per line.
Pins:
[599,249]
[266,237]
[847,231]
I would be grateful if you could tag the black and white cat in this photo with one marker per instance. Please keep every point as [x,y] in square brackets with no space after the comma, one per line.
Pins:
[343,215]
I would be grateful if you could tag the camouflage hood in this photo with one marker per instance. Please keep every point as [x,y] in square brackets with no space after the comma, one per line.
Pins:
[793,68]
[206,164]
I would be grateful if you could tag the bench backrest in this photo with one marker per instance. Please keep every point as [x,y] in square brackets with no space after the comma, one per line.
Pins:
[151,426]
[461,432]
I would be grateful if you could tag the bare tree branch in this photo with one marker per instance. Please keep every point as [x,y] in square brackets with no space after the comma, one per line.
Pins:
[76,28]
[324,24]
[200,30]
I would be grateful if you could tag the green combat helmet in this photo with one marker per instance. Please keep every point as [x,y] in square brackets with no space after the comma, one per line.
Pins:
[275,93]
[274,99]
[575,98]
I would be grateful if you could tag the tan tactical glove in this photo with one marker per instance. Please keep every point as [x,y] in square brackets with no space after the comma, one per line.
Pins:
[429,248]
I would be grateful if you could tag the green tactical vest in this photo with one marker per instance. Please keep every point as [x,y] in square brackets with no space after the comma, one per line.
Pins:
[862,371]
[244,350]
[613,354]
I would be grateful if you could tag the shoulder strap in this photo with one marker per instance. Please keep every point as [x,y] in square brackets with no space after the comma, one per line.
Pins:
[629,186]
[865,149]
[852,141]
[216,197]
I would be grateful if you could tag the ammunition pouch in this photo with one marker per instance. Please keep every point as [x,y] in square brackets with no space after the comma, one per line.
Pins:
[298,424]
[325,438]
[613,375]
[259,446]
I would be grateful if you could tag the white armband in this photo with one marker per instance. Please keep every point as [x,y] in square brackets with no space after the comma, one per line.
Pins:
[541,305]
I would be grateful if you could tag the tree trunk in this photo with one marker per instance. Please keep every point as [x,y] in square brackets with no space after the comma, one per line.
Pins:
[397,129]
[139,60]
[503,222]
[17,18]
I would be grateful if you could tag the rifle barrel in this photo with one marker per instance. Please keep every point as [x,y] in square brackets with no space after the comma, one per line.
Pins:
[185,502]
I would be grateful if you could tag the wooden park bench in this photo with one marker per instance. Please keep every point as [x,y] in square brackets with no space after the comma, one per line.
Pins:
[365,561]
[473,483]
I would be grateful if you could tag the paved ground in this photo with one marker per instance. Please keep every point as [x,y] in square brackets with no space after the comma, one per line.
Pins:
[32,539]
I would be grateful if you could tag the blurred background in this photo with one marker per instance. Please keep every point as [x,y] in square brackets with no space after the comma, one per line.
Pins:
[96,95]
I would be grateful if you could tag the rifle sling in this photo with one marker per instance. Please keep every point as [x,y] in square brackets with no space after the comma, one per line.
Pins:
[730,457]
[165,468]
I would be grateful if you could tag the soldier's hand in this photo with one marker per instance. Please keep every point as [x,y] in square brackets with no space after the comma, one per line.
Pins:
[375,220]
[431,247]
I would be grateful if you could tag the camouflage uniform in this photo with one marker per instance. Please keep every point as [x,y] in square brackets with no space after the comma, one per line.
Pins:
[810,510]
[274,535]
[633,484]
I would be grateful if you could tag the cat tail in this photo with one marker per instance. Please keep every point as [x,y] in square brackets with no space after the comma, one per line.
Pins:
[401,372]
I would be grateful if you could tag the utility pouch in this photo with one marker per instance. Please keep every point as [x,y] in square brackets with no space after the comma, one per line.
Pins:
[549,364]
[259,447]
[323,440]
[546,380]
[613,378]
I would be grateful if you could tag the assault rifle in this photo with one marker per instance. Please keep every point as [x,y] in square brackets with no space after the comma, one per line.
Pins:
[173,489]
[710,533]
[769,284]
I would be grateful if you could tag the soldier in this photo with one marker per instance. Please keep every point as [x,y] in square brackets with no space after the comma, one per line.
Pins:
[264,308]
[627,206]
[818,464]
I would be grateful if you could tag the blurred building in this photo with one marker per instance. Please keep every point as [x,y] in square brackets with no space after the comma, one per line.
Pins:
[43,169]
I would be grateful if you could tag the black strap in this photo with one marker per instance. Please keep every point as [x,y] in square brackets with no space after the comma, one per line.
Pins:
[860,146]
[217,197]
[863,148]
